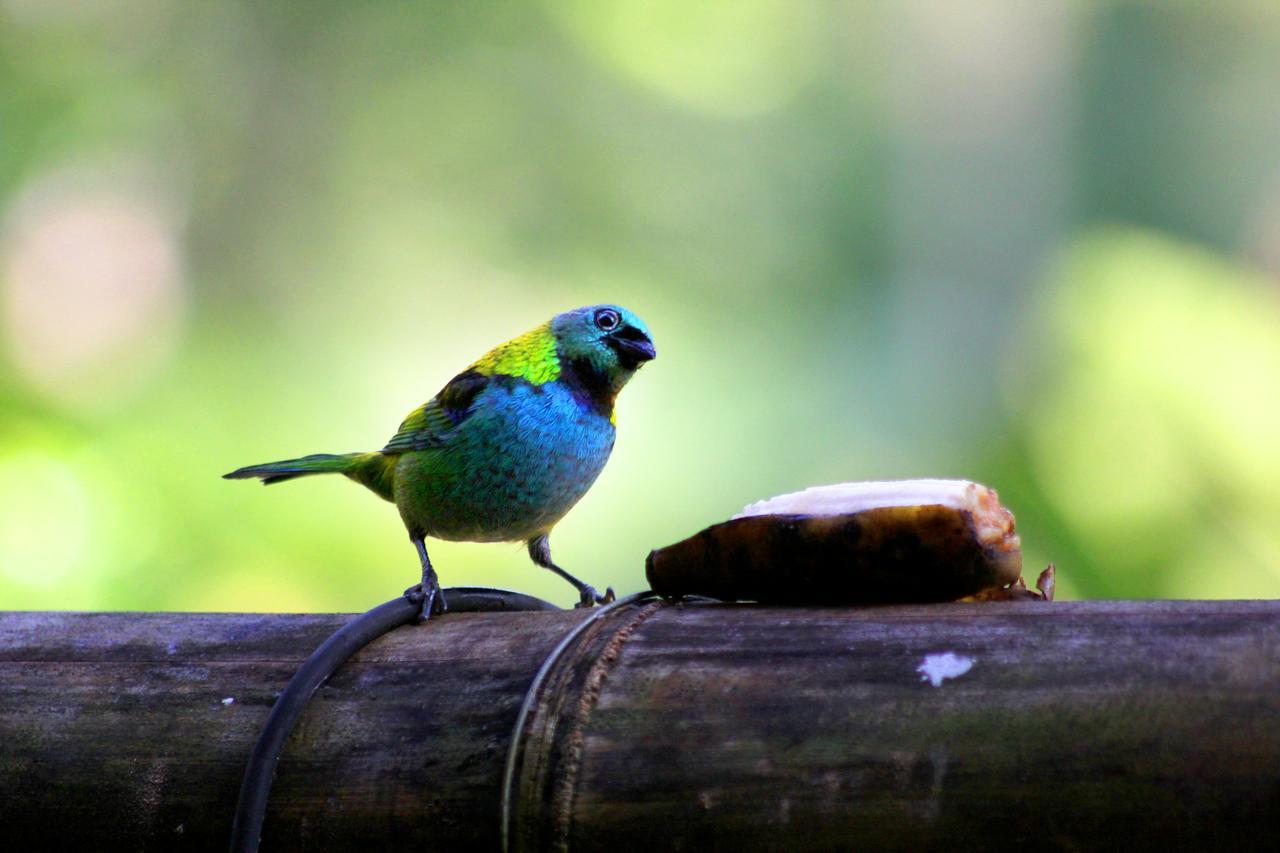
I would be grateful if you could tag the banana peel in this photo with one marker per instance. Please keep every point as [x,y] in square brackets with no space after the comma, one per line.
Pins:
[904,541]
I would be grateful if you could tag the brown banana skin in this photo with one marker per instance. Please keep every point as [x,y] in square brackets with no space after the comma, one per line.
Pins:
[899,554]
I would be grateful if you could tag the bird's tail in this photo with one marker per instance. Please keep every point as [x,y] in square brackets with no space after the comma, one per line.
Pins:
[319,463]
[375,471]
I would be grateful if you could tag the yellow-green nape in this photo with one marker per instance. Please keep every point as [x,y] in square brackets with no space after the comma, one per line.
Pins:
[531,357]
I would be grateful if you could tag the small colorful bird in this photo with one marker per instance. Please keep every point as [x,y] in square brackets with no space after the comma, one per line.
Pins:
[507,447]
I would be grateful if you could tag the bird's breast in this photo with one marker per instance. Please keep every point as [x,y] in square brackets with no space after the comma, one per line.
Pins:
[513,468]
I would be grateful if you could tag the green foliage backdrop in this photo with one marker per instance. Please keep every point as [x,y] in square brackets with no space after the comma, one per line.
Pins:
[1034,244]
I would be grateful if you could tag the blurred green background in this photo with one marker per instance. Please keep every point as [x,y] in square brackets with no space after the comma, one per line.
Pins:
[1032,244]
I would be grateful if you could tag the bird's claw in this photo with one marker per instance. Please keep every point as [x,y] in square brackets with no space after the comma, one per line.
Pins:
[590,598]
[416,595]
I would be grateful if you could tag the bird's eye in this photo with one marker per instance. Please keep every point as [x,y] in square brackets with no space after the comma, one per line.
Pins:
[607,319]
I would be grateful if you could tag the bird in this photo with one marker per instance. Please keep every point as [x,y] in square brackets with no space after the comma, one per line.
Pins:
[506,448]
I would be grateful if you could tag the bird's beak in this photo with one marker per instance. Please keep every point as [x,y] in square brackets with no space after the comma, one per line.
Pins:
[632,346]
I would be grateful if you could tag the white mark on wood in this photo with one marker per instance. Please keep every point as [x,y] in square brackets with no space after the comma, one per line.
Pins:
[936,669]
[228,700]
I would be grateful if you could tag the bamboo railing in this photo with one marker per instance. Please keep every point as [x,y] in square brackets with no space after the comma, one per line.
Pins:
[1015,725]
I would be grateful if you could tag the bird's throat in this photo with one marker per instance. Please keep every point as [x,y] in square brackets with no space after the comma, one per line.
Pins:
[594,389]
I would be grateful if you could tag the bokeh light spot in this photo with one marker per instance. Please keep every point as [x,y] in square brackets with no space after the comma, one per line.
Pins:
[729,59]
[1109,461]
[92,291]
[1154,431]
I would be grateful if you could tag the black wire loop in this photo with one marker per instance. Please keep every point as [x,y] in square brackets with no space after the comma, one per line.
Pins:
[509,783]
[246,830]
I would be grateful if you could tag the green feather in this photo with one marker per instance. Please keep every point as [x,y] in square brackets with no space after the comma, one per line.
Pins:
[369,469]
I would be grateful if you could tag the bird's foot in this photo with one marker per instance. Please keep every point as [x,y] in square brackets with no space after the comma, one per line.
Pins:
[431,601]
[590,598]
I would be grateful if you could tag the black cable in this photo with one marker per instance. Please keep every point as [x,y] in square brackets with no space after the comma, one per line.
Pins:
[246,831]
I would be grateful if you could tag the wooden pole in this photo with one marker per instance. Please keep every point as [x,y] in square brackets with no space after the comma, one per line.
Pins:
[1087,725]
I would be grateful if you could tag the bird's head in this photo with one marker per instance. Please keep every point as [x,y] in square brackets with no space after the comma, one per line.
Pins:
[606,340]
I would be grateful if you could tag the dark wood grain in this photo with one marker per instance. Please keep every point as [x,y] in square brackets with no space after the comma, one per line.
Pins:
[1095,725]
[114,733]
[1080,726]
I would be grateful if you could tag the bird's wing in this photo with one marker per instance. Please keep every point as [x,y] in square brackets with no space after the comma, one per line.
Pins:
[432,423]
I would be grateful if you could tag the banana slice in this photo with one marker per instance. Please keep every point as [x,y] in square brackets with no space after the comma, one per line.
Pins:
[850,543]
